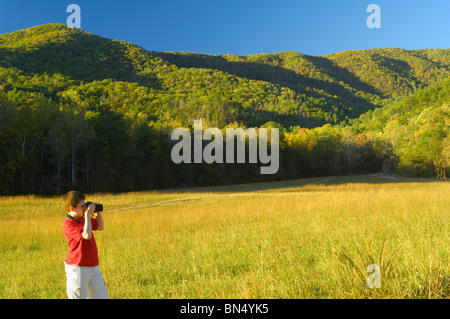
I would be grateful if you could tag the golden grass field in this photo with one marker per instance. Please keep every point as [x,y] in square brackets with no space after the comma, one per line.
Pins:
[307,238]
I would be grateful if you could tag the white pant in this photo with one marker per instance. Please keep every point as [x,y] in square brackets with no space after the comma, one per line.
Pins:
[85,283]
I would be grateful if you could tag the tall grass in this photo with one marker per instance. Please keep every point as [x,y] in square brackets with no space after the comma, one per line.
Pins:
[285,240]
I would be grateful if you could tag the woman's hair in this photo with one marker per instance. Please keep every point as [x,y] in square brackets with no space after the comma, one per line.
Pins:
[72,198]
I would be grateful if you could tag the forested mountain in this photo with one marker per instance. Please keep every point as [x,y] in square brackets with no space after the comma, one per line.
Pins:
[287,87]
[80,110]
[415,129]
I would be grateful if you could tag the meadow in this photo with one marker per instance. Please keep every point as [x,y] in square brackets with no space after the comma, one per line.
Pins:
[306,238]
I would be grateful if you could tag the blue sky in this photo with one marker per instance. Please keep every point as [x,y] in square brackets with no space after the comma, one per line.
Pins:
[246,26]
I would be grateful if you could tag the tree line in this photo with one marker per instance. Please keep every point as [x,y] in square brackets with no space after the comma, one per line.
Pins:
[78,110]
[50,145]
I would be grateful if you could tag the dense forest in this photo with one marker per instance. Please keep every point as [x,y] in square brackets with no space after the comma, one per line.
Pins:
[81,111]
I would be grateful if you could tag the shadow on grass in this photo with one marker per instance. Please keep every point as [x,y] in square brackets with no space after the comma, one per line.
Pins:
[289,184]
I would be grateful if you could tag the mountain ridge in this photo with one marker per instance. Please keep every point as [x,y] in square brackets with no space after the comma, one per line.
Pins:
[81,111]
[317,89]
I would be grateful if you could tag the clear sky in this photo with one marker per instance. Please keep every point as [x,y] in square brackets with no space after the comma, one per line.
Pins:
[246,26]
